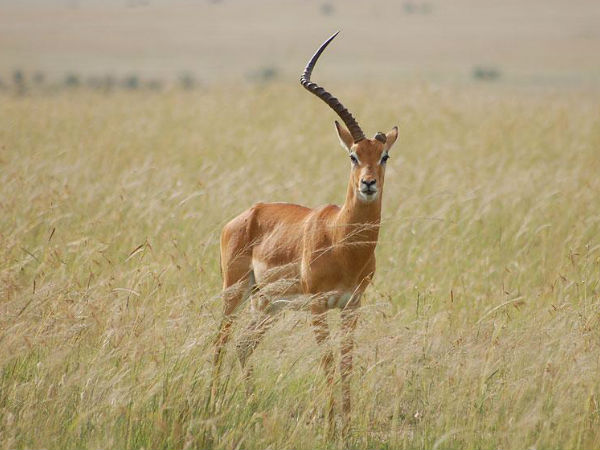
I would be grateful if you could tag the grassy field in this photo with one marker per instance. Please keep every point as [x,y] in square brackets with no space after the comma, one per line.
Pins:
[481,330]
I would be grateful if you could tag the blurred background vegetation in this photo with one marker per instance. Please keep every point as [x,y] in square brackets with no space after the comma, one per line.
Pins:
[156,43]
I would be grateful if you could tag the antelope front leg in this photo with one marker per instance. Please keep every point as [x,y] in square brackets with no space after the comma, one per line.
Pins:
[220,341]
[248,343]
[232,296]
[321,329]
[349,319]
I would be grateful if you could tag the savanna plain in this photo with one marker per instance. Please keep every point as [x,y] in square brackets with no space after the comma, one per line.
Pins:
[481,329]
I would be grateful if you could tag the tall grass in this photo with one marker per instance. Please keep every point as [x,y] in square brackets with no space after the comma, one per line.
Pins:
[481,330]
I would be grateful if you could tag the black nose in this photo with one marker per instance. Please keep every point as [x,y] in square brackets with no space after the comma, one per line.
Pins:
[368,183]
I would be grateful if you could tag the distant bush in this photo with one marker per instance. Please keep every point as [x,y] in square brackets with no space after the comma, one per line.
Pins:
[19,81]
[486,73]
[72,80]
[327,9]
[131,82]
[268,73]
[18,77]
[187,81]
[409,7]
[417,8]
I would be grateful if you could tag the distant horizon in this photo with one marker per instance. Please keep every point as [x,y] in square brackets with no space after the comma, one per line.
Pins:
[551,43]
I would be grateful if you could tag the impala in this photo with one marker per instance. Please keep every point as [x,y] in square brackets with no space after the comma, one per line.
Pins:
[276,254]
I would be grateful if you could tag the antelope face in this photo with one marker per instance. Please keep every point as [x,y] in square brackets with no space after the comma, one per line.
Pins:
[368,156]
[368,160]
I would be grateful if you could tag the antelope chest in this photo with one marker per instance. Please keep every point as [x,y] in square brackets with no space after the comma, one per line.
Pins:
[335,288]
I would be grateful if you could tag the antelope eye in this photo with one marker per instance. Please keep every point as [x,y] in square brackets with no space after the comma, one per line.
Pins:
[384,158]
[353,159]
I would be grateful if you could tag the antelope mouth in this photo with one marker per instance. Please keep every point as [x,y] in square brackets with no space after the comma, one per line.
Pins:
[368,195]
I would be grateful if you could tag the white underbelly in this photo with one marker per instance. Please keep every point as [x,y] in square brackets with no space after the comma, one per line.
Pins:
[279,288]
[338,300]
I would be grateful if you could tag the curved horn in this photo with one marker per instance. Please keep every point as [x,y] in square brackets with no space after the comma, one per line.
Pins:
[333,102]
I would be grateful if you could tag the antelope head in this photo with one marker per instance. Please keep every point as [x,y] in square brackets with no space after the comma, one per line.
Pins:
[368,156]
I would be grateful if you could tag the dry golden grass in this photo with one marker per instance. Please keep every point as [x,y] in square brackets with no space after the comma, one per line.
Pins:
[481,330]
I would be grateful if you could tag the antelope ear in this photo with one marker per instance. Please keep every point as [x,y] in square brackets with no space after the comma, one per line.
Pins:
[390,139]
[345,137]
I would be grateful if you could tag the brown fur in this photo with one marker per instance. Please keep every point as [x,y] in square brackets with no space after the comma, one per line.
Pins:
[324,256]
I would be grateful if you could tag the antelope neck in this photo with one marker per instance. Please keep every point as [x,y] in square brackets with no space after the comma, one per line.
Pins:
[358,222]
